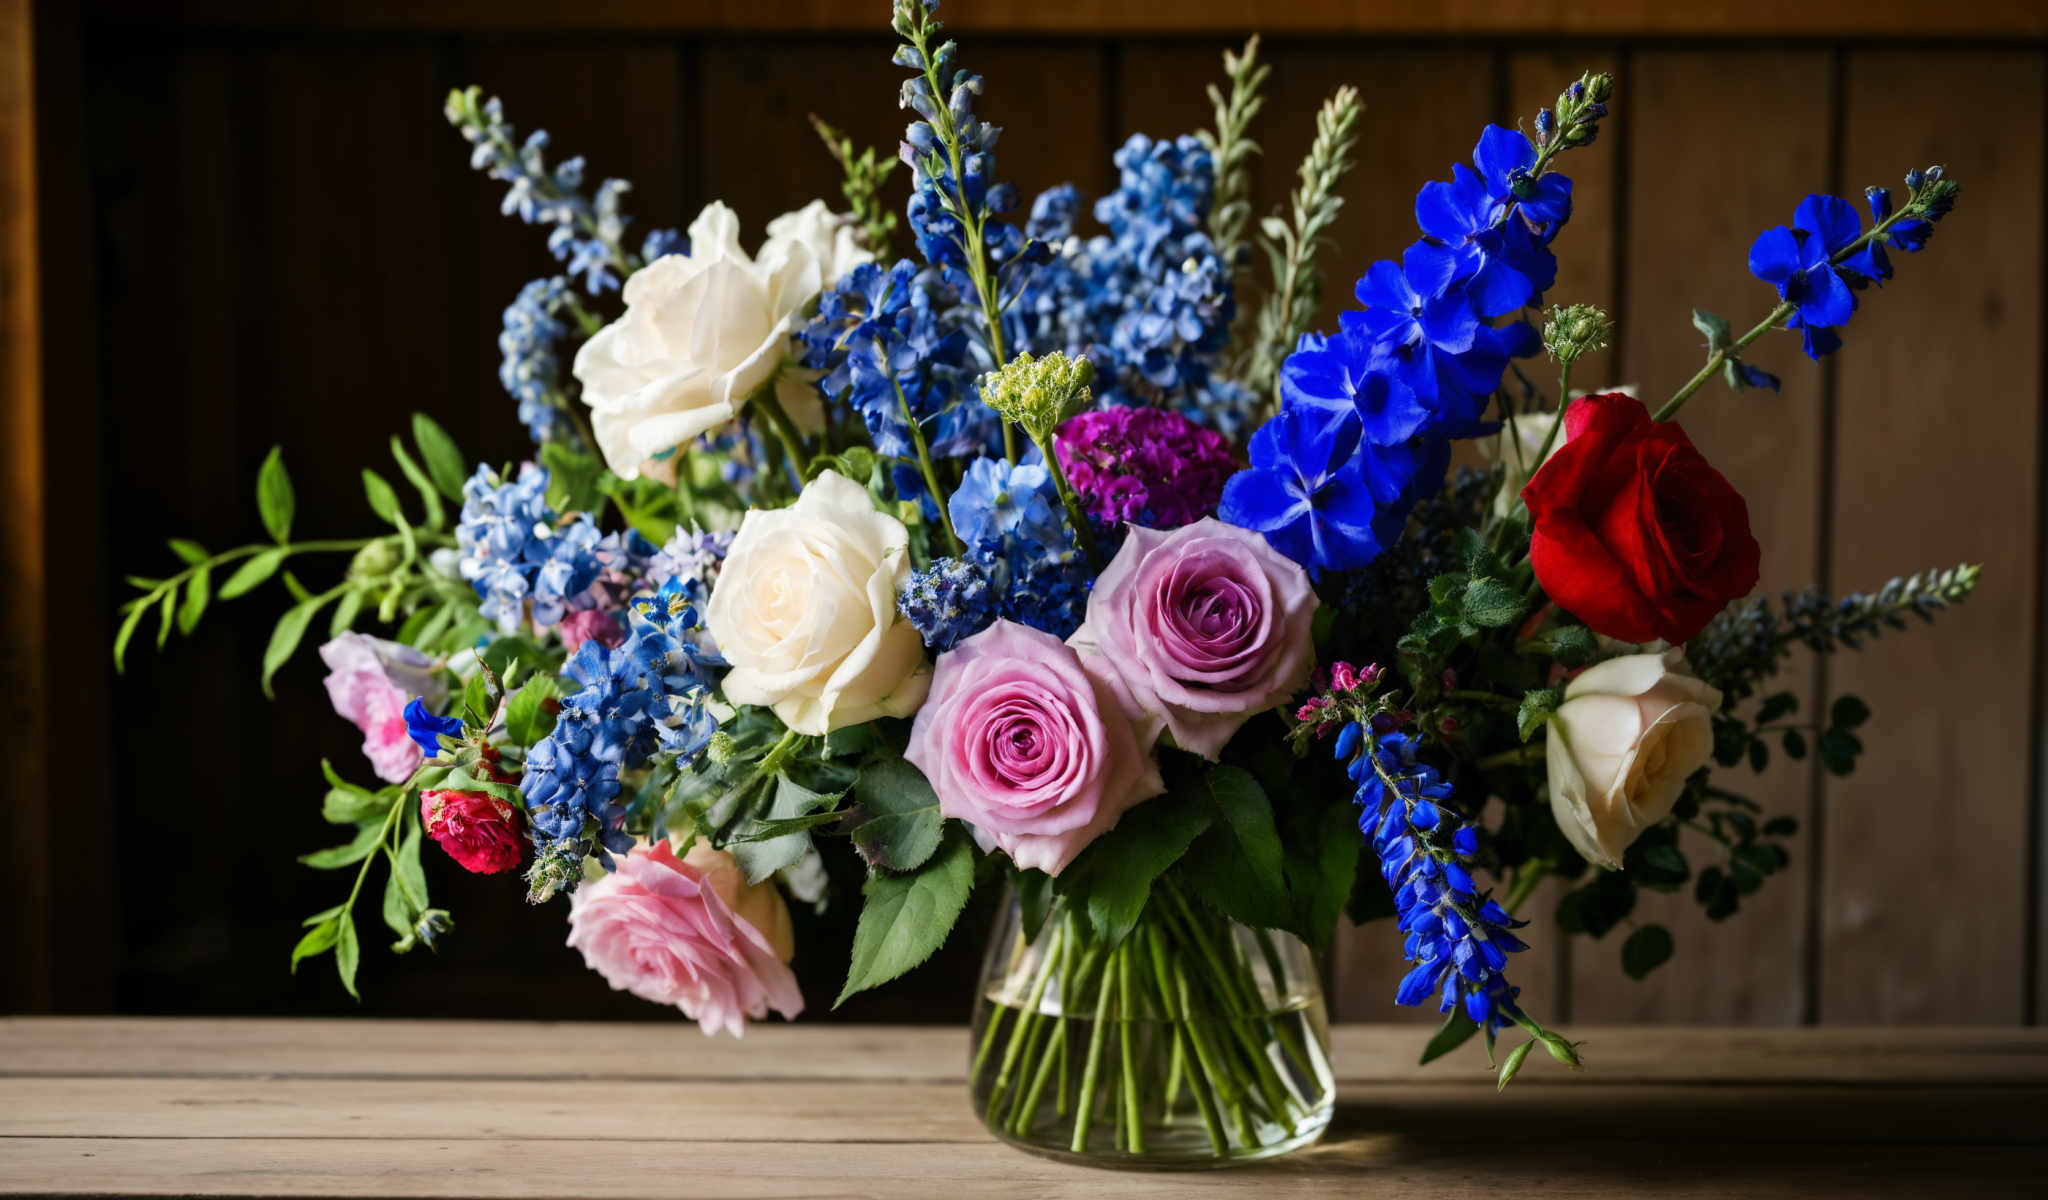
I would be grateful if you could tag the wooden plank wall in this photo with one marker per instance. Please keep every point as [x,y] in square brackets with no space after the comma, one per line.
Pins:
[286,246]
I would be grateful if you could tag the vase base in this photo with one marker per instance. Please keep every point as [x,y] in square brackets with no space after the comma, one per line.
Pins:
[1179,1153]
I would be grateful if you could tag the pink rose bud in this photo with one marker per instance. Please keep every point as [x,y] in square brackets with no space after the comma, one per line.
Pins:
[1343,676]
[691,932]
[1029,745]
[477,829]
[1202,627]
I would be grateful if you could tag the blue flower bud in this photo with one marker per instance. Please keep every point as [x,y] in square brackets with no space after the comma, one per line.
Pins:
[1914,178]
[1880,201]
[1348,739]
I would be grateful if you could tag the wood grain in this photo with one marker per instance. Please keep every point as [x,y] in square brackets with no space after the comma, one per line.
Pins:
[1939,416]
[1698,192]
[1722,18]
[428,1109]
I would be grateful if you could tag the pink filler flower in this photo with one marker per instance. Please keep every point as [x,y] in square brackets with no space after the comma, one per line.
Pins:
[369,681]
[691,932]
[1028,744]
[1202,627]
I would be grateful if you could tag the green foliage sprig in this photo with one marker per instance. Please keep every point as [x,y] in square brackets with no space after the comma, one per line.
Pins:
[1231,146]
[1291,247]
[865,176]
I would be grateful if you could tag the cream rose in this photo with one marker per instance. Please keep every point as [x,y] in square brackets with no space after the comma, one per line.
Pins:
[805,611]
[705,331]
[1620,747]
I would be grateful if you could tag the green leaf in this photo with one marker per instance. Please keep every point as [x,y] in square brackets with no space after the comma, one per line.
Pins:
[1513,1065]
[1795,744]
[460,779]
[1848,712]
[761,857]
[1492,603]
[194,605]
[573,478]
[319,939]
[1781,826]
[1645,950]
[192,552]
[527,720]
[274,499]
[168,612]
[852,741]
[1034,901]
[1114,876]
[383,501]
[127,632]
[902,826]
[1573,645]
[260,567]
[347,804]
[398,912]
[1715,329]
[1322,875]
[475,706]
[1456,1030]
[444,461]
[346,955]
[904,918]
[1759,755]
[324,914]
[1537,705]
[430,497]
[368,835]
[285,638]
[1233,795]
[1782,704]
[345,612]
[409,879]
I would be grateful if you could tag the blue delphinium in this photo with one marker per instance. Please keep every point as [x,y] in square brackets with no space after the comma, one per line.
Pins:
[514,550]
[1457,939]
[648,696]
[1019,564]
[530,364]
[938,200]
[1367,415]
[1149,303]
[586,230]
[1819,262]
[896,337]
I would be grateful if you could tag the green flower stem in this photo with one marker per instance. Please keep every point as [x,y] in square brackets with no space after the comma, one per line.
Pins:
[1237,1006]
[1715,361]
[1527,879]
[1224,1083]
[1084,533]
[1177,1013]
[1027,1019]
[1495,699]
[1520,756]
[924,464]
[1027,1112]
[1134,1119]
[1911,208]
[1092,1070]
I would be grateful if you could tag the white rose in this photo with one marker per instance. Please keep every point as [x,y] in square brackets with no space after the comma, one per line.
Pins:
[702,333]
[1519,455]
[1620,747]
[828,236]
[805,611]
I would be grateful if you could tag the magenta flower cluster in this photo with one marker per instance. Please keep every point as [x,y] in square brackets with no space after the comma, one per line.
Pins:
[1145,466]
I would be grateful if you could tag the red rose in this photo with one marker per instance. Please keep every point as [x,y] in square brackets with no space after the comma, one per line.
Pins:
[1634,533]
[477,829]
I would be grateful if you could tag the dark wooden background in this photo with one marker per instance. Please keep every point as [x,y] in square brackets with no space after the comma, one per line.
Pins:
[232,224]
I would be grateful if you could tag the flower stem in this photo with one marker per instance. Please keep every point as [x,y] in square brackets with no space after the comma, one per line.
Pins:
[1518,757]
[1715,360]
[1091,1072]
[1531,874]
[924,464]
[1084,533]
[1134,1120]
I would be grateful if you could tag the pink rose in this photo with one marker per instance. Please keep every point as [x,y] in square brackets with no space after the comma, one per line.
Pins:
[691,932]
[477,829]
[369,681]
[1029,745]
[1201,627]
[579,627]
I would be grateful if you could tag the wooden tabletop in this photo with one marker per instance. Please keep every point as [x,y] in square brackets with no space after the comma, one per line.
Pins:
[454,1108]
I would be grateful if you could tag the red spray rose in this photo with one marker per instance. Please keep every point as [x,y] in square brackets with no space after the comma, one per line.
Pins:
[1635,534]
[477,829]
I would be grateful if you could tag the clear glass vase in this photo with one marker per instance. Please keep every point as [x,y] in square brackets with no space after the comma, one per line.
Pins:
[1193,1042]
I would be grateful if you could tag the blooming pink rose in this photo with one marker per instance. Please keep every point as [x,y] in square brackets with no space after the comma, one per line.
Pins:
[477,829]
[1201,627]
[579,627]
[691,932]
[1028,744]
[369,681]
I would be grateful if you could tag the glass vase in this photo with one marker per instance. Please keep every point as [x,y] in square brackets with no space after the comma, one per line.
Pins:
[1192,1042]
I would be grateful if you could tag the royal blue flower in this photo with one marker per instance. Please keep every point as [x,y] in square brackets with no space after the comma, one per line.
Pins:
[1809,265]
[1497,221]
[426,729]
[1334,379]
[1325,506]
[1458,939]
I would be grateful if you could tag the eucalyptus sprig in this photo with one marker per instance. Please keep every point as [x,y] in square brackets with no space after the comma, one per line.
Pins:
[1291,246]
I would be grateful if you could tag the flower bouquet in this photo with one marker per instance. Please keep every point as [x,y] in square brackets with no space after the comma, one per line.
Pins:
[1031,557]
